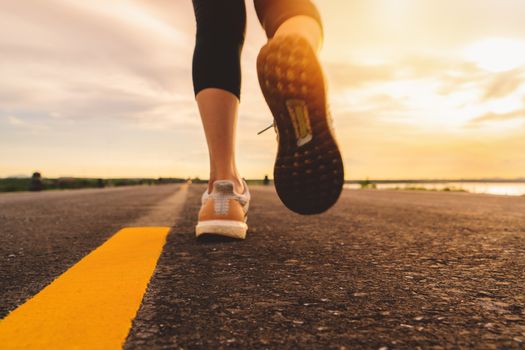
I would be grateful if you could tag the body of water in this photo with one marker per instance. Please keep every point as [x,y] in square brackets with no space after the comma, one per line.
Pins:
[498,188]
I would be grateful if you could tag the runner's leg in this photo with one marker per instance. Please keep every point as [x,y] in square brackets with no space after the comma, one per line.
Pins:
[221,26]
[282,17]
[305,26]
[308,171]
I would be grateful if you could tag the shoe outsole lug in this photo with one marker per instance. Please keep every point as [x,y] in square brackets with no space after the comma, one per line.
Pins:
[308,178]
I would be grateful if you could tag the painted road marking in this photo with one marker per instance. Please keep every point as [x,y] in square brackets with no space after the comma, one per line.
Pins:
[166,212]
[91,305]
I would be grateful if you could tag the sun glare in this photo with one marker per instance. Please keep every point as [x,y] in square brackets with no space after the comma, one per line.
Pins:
[497,54]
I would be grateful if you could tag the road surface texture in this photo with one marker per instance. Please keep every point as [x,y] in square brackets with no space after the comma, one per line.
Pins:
[381,270]
[43,234]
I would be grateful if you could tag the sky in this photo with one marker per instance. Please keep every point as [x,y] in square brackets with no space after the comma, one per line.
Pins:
[417,89]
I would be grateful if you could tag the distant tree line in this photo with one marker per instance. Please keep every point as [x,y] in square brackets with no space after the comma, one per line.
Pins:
[39,183]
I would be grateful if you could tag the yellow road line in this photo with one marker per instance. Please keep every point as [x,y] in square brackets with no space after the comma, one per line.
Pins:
[92,304]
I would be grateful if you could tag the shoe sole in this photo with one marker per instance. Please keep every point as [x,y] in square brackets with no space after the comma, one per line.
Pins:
[308,172]
[225,228]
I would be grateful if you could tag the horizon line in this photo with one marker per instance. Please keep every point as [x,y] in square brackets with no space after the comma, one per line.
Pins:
[351,181]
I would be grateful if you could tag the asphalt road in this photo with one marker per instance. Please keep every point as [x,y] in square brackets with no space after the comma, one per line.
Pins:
[381,270]
[43,234]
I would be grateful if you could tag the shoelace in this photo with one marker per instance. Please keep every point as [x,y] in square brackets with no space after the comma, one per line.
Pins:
[329,118]
[267,128]
[225,197]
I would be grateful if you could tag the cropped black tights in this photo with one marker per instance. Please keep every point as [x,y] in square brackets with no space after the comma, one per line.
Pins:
[221,26]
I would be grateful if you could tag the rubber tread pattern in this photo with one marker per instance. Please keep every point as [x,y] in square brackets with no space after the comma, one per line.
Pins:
[309,178]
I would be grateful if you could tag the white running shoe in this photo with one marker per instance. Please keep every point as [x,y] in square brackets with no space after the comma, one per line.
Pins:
[223,211]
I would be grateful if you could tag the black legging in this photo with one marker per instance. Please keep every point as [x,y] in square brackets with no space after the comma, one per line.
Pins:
[221,26]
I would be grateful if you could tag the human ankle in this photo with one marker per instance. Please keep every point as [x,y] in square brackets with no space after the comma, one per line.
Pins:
[238,184]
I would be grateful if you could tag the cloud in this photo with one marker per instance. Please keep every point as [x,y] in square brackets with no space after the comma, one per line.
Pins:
[465,76]
[452,72]
[114,78]
[85,61]
[25,125]
[354,75]
[504,84]
[499,116]
[15,121]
